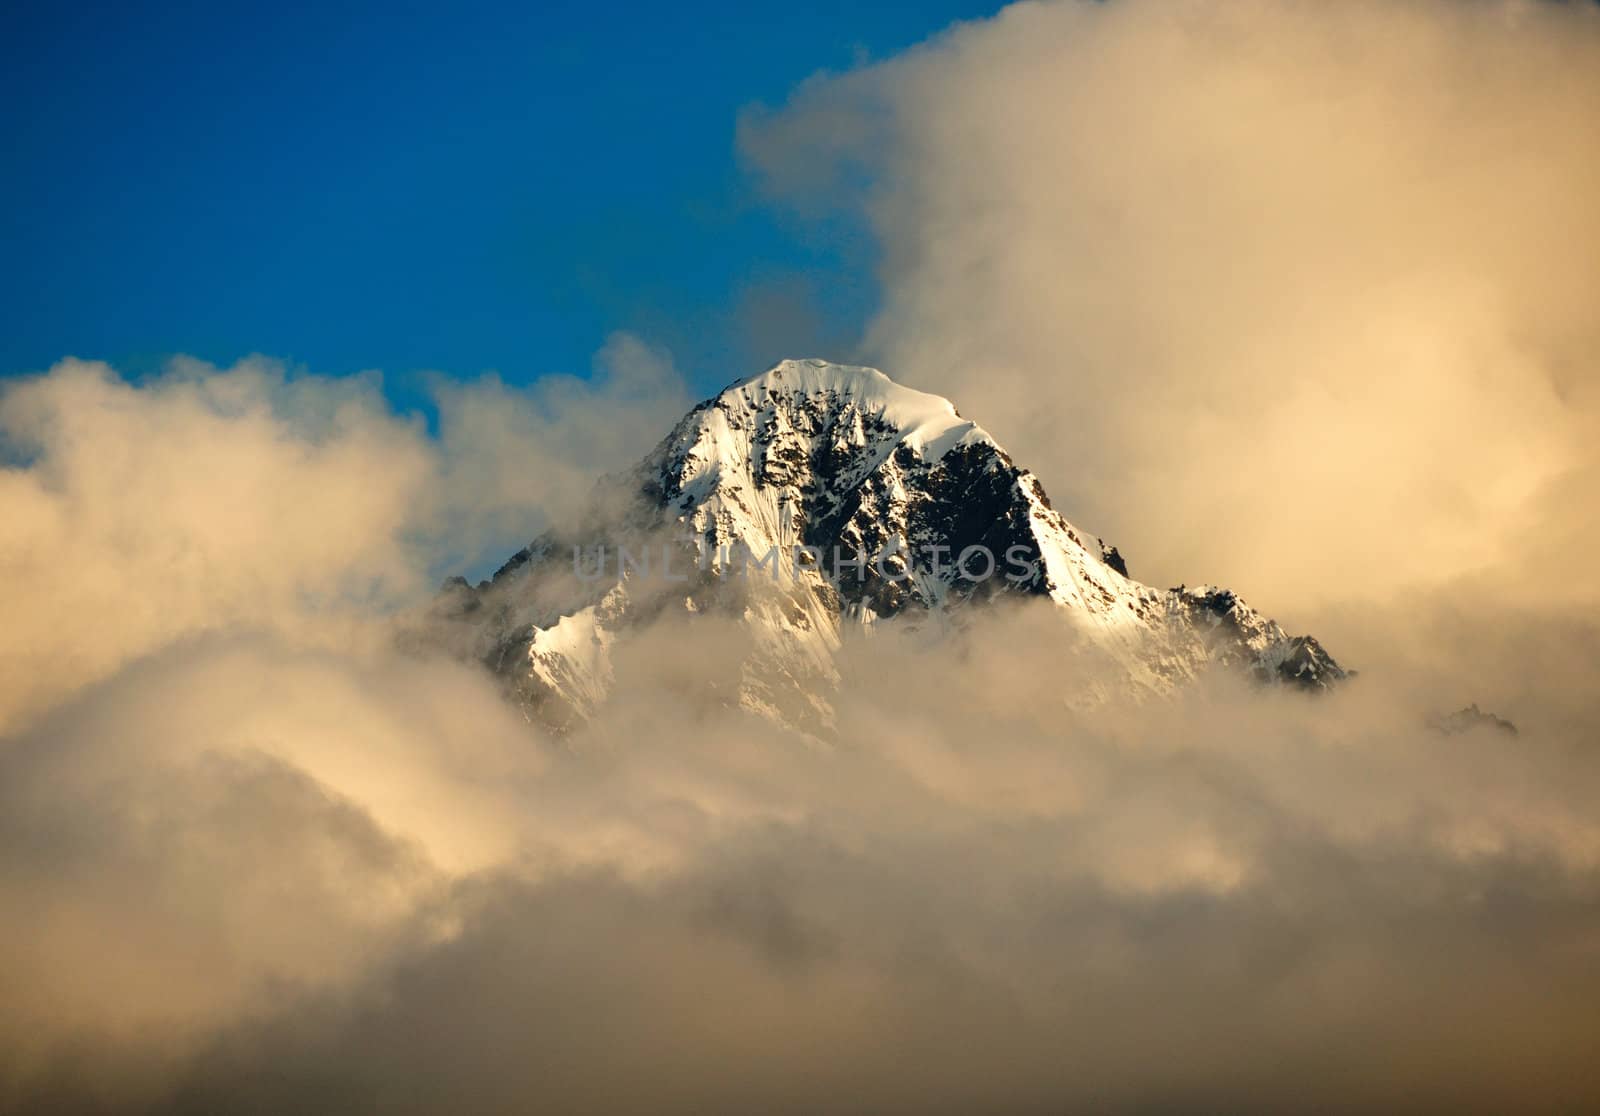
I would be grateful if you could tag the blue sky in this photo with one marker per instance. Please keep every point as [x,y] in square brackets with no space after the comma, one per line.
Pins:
[412,187]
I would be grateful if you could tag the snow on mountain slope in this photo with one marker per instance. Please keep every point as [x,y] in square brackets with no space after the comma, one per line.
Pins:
[816,498]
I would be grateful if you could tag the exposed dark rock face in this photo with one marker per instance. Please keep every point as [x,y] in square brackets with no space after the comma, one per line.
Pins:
[1465,720]
[1241,636]
[1306,663]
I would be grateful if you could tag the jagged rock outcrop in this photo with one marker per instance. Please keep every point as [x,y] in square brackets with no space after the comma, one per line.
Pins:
[1468,719]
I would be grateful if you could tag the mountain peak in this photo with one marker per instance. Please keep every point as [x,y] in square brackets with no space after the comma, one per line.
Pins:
[929,423]
[813,375]
[872,501]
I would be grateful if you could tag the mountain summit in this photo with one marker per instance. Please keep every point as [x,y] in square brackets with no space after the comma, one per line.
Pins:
[817,498]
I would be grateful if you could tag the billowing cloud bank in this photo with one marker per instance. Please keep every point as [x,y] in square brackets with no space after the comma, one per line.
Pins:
[254,859]
[1294,293]
[244,875]
[249,498]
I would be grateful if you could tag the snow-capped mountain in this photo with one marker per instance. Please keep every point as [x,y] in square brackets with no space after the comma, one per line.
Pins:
[817,498]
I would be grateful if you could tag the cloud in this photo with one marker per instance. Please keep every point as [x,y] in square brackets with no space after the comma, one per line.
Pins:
[203,499]
[228,824]
[207,499]
[515,458]
[1290,294]
[337,884]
